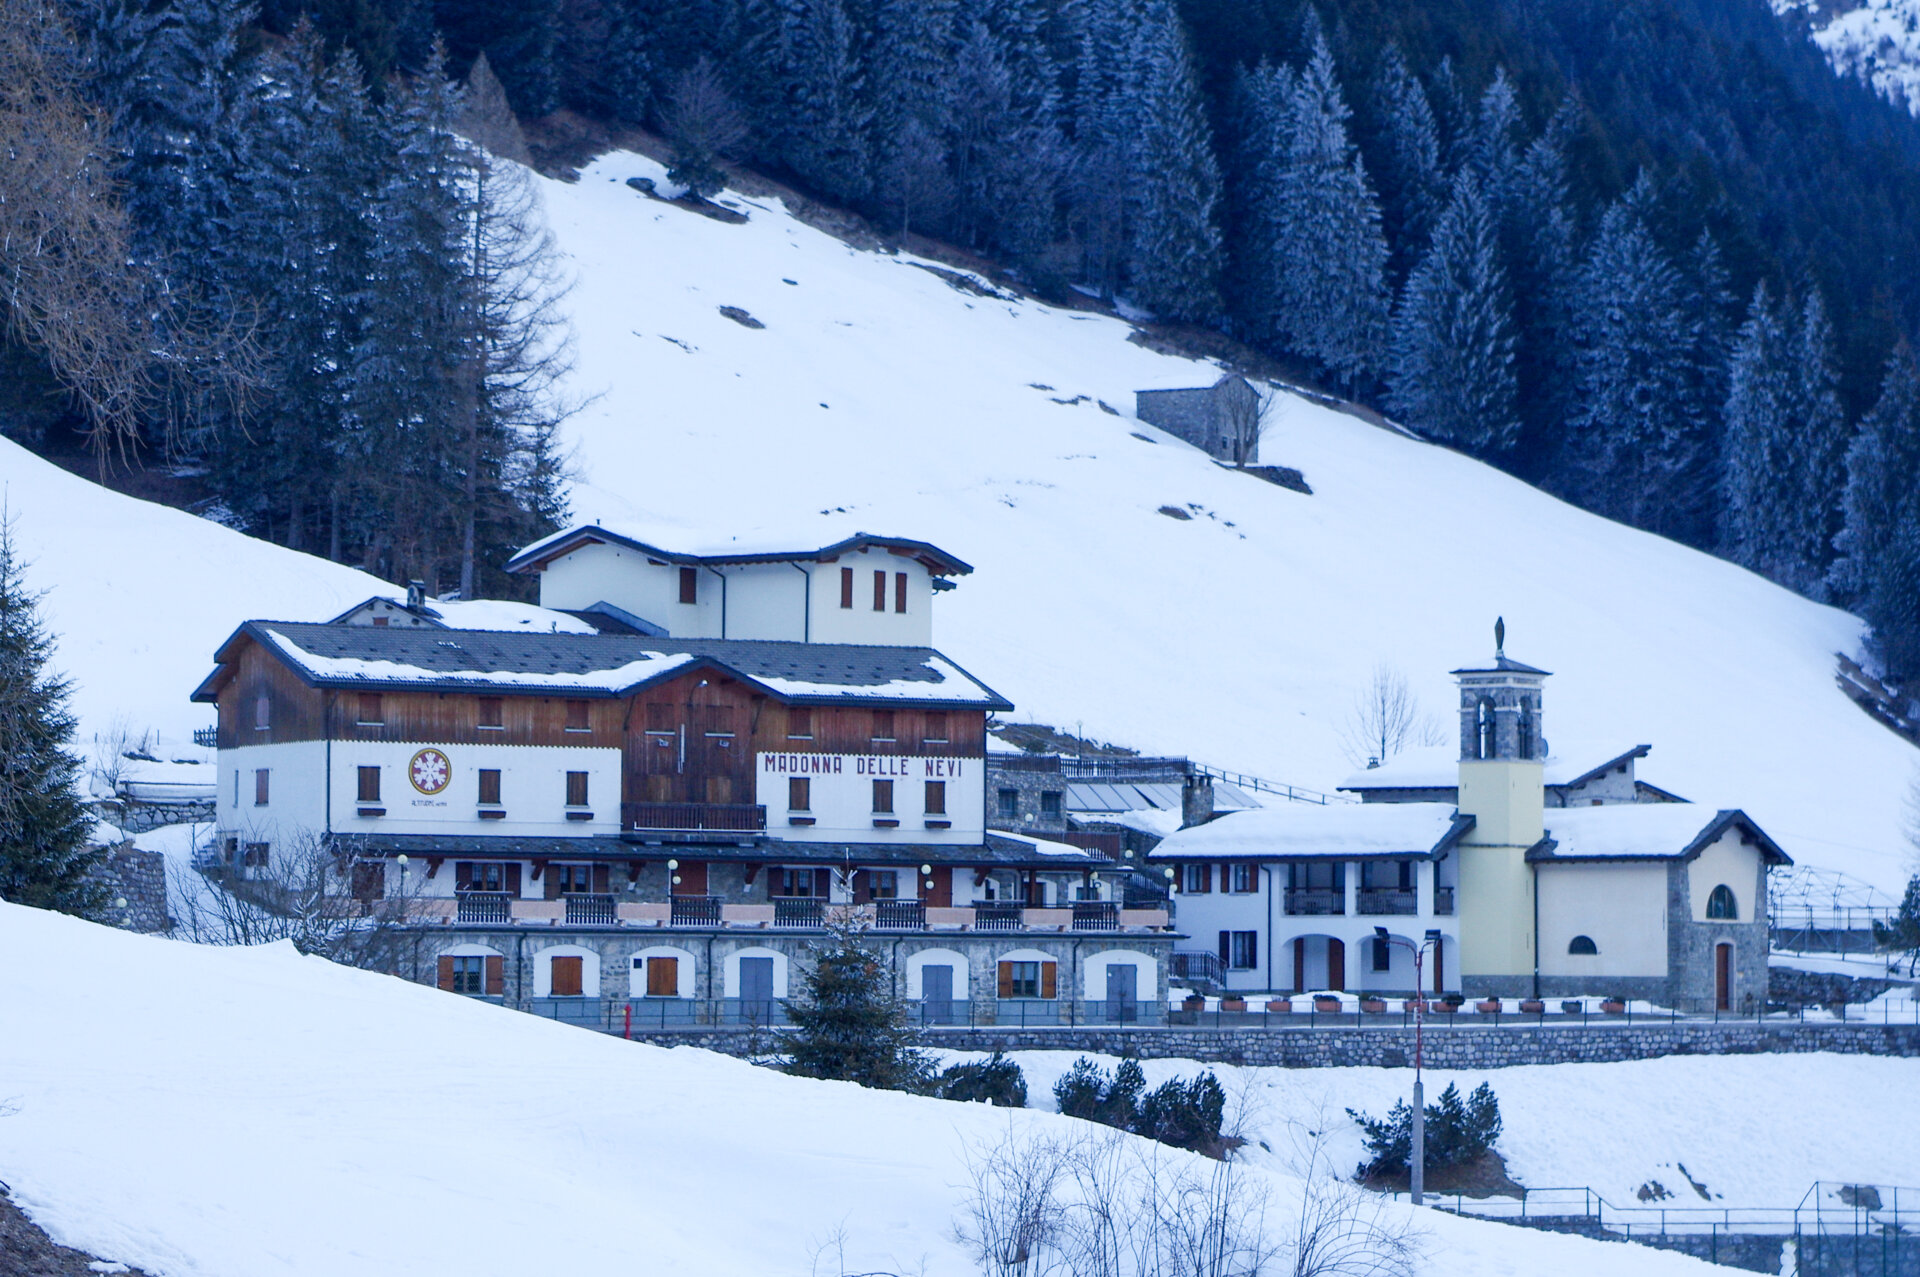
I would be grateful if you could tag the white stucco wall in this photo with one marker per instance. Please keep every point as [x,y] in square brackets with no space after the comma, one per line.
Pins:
[543,969]
[685,975]
[1727,861]
[1094,974]
[1620,904]
[296,792]
[533,789]
[832,623]
[955,962]
[628,579]
[841,796]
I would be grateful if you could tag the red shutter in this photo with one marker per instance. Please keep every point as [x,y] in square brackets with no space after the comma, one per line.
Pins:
[879,591]
[1047,972]
[496,975]
[823,883]
[846,587]
[513,879]
[693,878]
[899,591]
[446,974]
[1006,977]
[463,875]
[600,879]
[552,877]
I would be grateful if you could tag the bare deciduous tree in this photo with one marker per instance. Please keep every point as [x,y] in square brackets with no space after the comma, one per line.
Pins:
[1386,718]
[1343,1230]
[1248,421]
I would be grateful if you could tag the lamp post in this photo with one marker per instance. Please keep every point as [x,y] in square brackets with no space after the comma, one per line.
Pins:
[1417,1160]
[401,860]
[926,873]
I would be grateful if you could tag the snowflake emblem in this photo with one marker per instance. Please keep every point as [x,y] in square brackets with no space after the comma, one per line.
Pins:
[429,771]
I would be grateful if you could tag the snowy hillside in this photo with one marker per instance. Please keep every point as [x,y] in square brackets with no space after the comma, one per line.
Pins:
[1877,41]
[216,1112]
[878,397]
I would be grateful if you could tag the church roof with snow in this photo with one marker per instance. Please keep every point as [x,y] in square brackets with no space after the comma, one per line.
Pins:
[1339,831]
[1634,831]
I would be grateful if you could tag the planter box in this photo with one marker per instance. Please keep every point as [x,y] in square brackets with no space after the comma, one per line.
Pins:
[1279,1006]
[1488,1006]
[1233,1004]
[1532,1006]
[1573,1006]
[1373,1006]
[1613,1006]
[1193,1004]
[1446,1008]
[1327,1005]
[1415,1004]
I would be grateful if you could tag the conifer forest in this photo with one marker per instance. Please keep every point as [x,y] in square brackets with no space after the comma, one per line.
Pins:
[1651,255]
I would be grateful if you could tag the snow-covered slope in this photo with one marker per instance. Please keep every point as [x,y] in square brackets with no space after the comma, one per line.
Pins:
[878,397]
[218,1112]
[1877,41]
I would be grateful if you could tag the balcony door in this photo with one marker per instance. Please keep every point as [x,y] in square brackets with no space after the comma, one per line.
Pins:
[1123,993]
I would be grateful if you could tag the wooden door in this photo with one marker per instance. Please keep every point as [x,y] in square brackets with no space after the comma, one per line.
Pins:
[940,894]
[693,878]
[663,977]
[1336,965]
[1439,967]
[1299,964]
[568,973]
[1723,977]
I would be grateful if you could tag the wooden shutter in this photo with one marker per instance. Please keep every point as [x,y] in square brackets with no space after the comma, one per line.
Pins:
[899,591]
[1336,965]
[463,875]
[496,975]
[601,879]
[513,879]
[1006,978]
[846,587]
[1253,948]
[567,977]
[1047,972]
[936,798]
[1226,948]
[446,974]
[369,784]
[823,883]
[799,722]
[663,977]
[689,585]
[552,877]
[579,716]
[490,786]
[490,712]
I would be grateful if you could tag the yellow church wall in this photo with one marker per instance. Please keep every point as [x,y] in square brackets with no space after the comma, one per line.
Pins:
[1507,799]
[1620,905]
[1496,911]
[1728,861]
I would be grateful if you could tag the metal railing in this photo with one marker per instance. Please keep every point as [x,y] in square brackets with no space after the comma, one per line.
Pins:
[1383,901]
[799,911]
[1096,915]
[689,818]
[1315,901]
[1443,902]
[585,910]
[482,906]
[900,915]
[1195,964]
[694,911]
[1293,793]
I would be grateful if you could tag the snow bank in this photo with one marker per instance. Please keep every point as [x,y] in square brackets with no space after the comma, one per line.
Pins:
[204,1112]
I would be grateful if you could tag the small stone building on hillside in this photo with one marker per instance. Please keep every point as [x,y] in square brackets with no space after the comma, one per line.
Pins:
[1219,419]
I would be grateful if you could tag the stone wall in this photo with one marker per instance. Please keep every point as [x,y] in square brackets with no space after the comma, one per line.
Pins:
[1795,988]
[140,879]
[1472,1048]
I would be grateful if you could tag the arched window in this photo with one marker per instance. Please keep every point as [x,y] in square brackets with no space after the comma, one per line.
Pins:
[1583,945]
[1525,742]
[1721,904]
[1483,730]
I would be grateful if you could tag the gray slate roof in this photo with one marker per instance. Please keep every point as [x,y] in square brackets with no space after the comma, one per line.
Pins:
[604,665]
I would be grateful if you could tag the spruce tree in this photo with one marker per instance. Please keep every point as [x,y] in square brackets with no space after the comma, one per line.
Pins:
[1404,154]
[45,861]
[826,136]
[1174,260]
[1759,453]
[1452,361]
[848,1023]
[907,67]
[1877,570]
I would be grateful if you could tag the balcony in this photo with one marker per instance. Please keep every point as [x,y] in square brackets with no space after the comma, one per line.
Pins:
[996,917]
[1096,915]
[1443,901]
[1382,900]
[482,906]
[1195,964]
[899,915]
[694,818]
[589,910]
[808,912]
[1315,901]
[694,911]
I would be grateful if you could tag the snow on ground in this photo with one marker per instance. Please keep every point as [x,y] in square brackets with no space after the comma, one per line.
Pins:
[1755,1130]
[879,398]
[219,1112]
[1877,41]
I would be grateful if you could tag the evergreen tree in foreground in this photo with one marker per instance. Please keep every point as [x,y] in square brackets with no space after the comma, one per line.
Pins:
[44,857]
[848,1023]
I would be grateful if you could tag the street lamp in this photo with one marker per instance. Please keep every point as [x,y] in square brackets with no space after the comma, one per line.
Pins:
[673,875]
[926,871]
[1417,1161]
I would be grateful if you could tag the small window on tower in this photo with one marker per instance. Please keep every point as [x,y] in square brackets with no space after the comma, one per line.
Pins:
[1483,730]
[1721,904]
[689,585]
[1524,743]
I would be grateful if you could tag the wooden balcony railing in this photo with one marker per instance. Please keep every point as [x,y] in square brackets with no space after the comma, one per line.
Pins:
[801,911]
[695,911]
[483,906]
[899,915]
[996,917]
[1096,915]
[589,910]
[688,818]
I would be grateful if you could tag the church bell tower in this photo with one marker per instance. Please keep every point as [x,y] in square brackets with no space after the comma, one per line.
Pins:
[1503,750]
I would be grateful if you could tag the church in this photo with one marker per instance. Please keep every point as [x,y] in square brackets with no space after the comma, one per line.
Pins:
[1516,877]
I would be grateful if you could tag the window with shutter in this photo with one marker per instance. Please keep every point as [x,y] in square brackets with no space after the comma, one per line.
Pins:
[496,975]
[661,718]
[1006,979]
[799,722]
[576,789]
[799,793]
[883,797]
[936,730]
[936,798]
[663,977]
[579,717]
[1048,988]
[260,787]
[469,974]
[846,587]
[489,787]
[371,713]
[883,724]
[689,585]
[568,976]
[879,591]
[493,713]
[445,980]
[1196,879]
[899,591]
[369,784]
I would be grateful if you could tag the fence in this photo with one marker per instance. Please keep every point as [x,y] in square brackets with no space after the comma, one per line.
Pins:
[656,1015]
[1842,930]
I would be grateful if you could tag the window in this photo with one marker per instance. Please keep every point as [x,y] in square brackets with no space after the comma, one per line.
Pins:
[883,797]
[262,712]
[899,591]
[1195,879]
[936,798]
[846,587]
[1524,744]
[489,787]
[793,882]
[799,723]
[480,876]
[260,787]
[883,884]
[689,585]
[1240,950]
[936,729]
[579,717]
[1382,954]
[1050,803]
[879,591]
[1244,878]
[1582,945]
[369,880]
[1009,803]
[492,715]
[1483,730]
[236,788]
[883,724]
[254,855]
[1027,979]
[380,622]
[568,977]
[369,784]
[576,789]
[799,793]
[370,714]
[1721,904]
[470,974]
[573,880]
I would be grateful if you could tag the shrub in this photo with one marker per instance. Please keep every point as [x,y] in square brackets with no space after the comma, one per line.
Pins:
[1458,1131]
[997,1081]
[1184,1114]
[1087,1092]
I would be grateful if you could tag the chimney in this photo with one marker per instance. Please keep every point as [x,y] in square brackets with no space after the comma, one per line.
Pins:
[1196,800]
[416,594]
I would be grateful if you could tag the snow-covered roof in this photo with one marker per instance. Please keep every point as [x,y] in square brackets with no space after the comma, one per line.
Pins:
[1102,797]
[1438,766]
[1629,831]
[679,546]
[1298,830]
[370,658]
